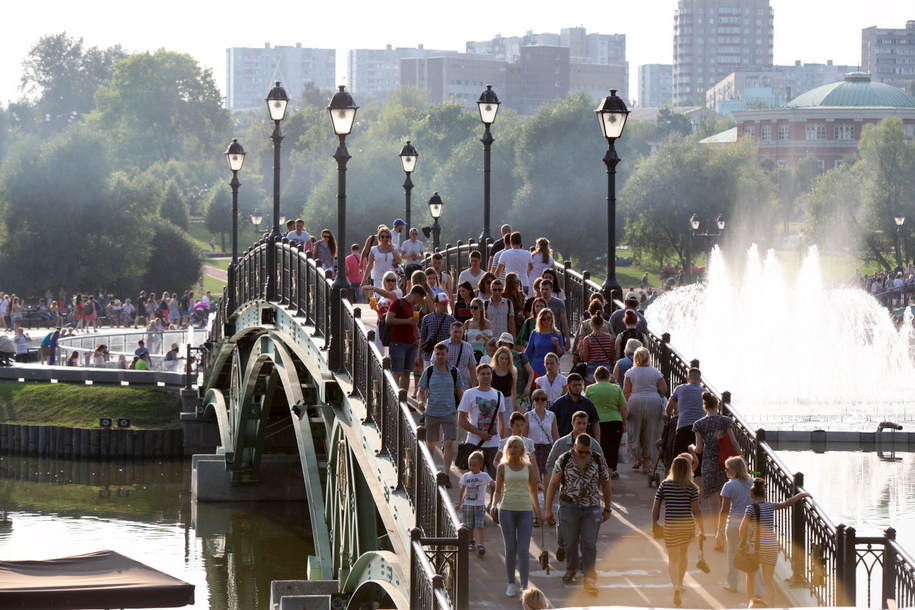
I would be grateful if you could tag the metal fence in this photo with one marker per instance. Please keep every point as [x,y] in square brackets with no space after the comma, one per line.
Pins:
[282,272]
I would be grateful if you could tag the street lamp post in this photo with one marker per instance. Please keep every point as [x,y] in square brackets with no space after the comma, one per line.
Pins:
[235,157]
[611,114]
[435,210]
[408,157]
[277,101]
[488,105]
[256,220]
[900,220]
[342,110]
[709,237]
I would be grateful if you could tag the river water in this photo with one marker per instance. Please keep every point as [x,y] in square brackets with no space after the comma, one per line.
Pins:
[144,510]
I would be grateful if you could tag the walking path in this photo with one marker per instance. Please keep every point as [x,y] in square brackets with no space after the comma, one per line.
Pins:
[216,273]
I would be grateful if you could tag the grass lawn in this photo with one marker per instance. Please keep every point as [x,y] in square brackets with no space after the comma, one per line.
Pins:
[82,406]
[200,236]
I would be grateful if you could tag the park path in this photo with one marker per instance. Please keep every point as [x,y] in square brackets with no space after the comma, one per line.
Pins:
[216,273]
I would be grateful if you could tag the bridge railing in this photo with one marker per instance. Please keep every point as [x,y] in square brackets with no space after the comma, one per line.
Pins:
[306,288]
[826,558]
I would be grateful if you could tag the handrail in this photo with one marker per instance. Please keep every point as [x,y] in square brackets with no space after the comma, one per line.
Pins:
[824,557]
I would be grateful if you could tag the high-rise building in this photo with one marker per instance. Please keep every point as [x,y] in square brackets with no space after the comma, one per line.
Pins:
[251,72]
[889,54]
[376,71]
[655,85]
[713,38]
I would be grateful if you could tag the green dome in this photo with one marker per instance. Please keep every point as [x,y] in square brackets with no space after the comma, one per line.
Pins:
[856,90]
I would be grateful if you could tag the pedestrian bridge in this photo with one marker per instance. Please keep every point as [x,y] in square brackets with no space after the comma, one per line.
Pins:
[291,369]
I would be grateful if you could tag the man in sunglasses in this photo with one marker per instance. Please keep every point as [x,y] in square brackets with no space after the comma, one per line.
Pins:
[580,477]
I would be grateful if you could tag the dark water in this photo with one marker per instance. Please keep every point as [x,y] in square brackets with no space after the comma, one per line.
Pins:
[144,510]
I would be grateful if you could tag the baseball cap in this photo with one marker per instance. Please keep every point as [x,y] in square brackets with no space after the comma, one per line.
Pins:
[414,230]
[399,222]
[632,297]
[441,297]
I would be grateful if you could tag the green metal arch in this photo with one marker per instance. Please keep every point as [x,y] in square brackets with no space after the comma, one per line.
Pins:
[375,570]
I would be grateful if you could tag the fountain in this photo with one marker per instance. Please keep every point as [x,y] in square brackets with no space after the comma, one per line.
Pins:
[802,356]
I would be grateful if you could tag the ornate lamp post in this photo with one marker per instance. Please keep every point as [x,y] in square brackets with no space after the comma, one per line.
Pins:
[900,220]
[342,110]
[277,101]
[488,105]
[408,157]
[256,220]
[611,114]
[708,235]
[435,210]
[235,157]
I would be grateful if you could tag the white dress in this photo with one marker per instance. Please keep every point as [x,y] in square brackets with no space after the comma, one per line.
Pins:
[384,262]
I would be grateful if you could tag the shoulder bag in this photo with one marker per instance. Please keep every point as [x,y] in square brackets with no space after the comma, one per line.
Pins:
[465,449]
[744,560]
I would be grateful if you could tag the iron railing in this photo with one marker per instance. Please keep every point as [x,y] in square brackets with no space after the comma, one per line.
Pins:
[439,560]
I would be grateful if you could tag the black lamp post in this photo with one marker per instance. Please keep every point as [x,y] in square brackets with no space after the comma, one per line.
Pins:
[256,220]
[342,110]
[611,114]
[235,157]
[277,101]
[900,220]
[488,105]
[708,235]
[408,157]
[435,210]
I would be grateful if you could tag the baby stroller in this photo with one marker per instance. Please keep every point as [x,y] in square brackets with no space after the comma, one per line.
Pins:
[665,446]
[199,314]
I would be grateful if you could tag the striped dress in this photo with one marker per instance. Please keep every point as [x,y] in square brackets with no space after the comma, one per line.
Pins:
[679,522]
[768,549]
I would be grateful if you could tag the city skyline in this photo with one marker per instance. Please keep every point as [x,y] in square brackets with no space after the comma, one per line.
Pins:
[205,34]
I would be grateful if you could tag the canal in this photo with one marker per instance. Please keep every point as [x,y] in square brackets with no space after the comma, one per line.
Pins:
[144,510]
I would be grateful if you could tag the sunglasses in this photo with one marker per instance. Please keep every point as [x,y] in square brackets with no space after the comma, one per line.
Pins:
[390,280]
[583,453]
[326,235]
[385,237]
[497,289]
[474,307]
[541,399]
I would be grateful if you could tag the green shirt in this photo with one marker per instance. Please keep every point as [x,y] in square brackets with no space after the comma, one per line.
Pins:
[524,335]
[607,398]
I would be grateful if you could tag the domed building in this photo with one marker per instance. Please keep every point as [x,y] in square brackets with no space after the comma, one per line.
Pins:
[826,122]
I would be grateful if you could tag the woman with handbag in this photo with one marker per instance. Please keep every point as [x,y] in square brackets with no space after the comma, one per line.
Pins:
[597,348]
[735,498]
[712,431]
[541,428]
[682,513]
[388,292]
[757,537]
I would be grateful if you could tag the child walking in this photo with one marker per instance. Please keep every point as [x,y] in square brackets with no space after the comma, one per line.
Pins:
[472,501]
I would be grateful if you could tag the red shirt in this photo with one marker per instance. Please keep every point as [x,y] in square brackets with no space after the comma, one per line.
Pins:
[403,333]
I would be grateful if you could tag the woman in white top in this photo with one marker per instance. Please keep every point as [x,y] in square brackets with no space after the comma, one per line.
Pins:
[382,258]
[388,292]
[540,426]
[554,383]
[541,259]
[478,330]
[644,388]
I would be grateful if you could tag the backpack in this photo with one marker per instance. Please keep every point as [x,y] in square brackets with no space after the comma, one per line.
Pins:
[88,308]
[629,333]
[454,373]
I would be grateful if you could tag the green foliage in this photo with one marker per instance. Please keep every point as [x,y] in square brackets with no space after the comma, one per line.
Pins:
[173,207]
[160,107]
[60,78]
[217,212]
[671,122]
[689,178]
[81,406]
[174,264]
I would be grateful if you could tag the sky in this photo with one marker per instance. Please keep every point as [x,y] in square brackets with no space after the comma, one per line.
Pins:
[808,30]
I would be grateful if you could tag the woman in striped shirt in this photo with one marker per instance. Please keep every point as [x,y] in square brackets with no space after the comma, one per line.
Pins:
[766,544]
[681,515]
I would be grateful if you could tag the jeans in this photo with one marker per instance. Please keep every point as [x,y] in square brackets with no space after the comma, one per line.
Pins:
[732,533]
[580,527]
[403,355]
[517,526]
[356,287]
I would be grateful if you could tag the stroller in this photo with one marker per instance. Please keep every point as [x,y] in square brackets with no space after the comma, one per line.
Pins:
[199,314]
[665,446]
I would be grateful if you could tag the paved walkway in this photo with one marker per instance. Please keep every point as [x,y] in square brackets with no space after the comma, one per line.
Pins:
[216,273]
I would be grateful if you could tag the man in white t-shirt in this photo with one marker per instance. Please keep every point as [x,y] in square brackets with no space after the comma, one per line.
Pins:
[473,273]
[412,251]
[479,407]
[516,260]
[300,235]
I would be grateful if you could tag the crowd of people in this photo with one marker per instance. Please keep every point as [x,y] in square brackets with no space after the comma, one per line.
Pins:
[483,353]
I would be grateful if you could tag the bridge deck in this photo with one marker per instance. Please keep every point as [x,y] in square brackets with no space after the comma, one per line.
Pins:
[631,566]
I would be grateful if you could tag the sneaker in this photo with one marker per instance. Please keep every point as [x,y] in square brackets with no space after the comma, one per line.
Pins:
[569,576]
[481,550]
[614,475]
[510,591]
[591,587]
[560,554]
[448,484]
[471,546]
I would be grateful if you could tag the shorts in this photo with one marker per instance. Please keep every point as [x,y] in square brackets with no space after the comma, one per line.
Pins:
[402,355]
[447,425]
[472,516]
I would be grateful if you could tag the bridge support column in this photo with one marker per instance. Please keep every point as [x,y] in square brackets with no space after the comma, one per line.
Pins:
[279,478]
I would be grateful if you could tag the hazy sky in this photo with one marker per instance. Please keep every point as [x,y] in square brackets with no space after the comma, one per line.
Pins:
[809,30]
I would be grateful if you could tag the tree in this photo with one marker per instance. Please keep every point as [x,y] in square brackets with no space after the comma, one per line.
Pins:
[217,213]
[671,122]
[61,77]
[173,207]
[159,107]
[174,263]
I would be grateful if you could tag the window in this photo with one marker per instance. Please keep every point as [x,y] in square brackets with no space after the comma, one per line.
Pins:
[843,131]
[816,131]
[822,164]
[909,130]
[783,132]
[749,130]
[765,133]
[781,164]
